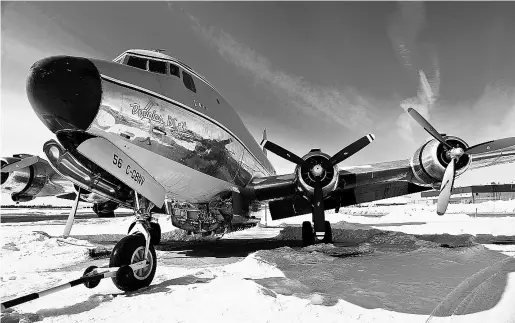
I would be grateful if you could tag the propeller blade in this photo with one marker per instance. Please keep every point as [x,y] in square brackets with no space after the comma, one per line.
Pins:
[490,146]
[351,149]
[25,162]
[281,152]
[318,207]
[427,126]
[446,188]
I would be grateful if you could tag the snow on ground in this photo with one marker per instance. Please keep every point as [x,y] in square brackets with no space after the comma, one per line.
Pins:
[49,211]
[422,219]
[286,284]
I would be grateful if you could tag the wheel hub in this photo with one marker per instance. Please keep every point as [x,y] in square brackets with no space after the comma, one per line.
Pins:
[137,256]
[317,170]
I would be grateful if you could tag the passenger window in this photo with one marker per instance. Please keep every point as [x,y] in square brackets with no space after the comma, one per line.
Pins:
[157,66]
[137,62]
[174,70]
[188,81]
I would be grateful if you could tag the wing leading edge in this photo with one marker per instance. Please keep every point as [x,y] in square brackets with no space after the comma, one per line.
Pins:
[358,184]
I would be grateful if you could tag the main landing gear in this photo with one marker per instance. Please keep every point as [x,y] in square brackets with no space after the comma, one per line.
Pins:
[317,172]
[310,238]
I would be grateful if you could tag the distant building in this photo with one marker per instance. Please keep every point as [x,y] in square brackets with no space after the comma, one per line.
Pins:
[475,194]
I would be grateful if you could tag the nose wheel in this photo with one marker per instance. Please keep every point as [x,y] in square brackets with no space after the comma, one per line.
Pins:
[131,250]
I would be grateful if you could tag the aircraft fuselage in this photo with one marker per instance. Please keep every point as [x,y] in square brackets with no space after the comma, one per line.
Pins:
[191,141]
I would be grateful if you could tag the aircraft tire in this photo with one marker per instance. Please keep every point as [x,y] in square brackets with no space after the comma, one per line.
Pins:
[328,236]
[308,237]
[127,251]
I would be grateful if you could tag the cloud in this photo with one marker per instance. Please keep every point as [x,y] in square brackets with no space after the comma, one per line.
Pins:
[492,116]
[344,106]
[404,29]
[423,102]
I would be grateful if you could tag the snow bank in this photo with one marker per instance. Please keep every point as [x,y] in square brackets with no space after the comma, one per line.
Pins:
[353,235]
[214,294]
[484,207]
[32,260]
[38,211]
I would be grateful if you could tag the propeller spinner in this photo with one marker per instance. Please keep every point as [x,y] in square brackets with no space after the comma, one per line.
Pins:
[454,154]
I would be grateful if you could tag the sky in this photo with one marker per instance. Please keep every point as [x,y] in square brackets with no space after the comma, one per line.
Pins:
[315,75]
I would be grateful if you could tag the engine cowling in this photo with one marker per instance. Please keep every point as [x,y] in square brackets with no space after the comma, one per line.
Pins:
[24,184]
[430,160]
[306,179]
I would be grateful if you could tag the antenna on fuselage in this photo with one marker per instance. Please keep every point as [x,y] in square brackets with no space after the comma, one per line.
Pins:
[159,50]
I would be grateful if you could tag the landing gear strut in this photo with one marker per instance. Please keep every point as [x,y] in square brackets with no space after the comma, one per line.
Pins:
[135,248]
[154,230]
[310,238]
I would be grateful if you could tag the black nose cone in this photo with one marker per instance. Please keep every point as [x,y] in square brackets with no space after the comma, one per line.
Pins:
[65,92]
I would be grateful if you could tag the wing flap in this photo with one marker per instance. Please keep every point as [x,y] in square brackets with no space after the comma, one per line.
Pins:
[296,205]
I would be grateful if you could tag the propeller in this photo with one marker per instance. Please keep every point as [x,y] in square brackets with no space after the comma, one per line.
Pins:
[454,154]
[336,159]
[427,126]
[317,169]
[281,152]
[25,162]
[351,149]
[446,188]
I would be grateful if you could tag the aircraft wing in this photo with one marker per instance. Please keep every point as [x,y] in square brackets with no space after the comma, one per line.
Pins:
[364,175]
[296,205]
[491,159]
[358,184]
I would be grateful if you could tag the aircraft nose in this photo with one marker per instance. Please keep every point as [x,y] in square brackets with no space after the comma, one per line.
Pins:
[65,92]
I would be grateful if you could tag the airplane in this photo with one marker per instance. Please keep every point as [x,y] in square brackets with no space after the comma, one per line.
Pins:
[147,132]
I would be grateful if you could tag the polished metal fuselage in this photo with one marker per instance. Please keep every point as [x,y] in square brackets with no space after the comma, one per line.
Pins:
[194,144]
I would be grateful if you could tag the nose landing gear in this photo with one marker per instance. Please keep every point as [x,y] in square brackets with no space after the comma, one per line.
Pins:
[130,250]
[137,247]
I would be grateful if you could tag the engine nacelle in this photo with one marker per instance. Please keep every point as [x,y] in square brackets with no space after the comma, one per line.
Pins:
[430,160]
[305,178]
[26,183]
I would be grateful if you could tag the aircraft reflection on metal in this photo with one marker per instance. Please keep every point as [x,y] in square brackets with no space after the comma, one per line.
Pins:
[147,132]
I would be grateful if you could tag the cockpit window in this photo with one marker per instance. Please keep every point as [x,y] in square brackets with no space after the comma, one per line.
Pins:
[174,70]
[188,81]
[120,59]
[157,66]
[137,62]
